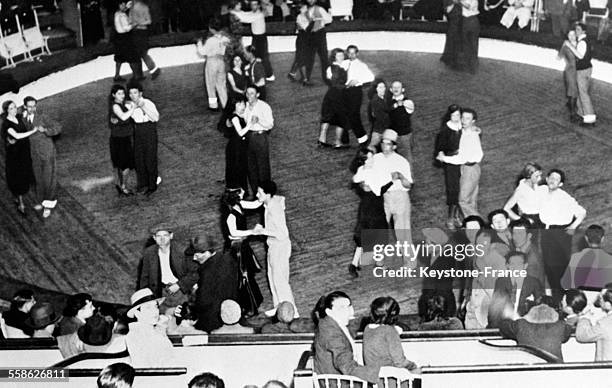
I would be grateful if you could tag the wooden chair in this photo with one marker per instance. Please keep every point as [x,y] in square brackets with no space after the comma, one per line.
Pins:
[13,46]
[400,376]
[407,4]
[338,381]
[342,8]
[598,9]
[33,37]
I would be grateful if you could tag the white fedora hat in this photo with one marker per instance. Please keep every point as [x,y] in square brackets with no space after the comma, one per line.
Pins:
[140,297]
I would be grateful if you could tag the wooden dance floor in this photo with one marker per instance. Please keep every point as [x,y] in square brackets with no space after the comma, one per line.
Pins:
[92,242]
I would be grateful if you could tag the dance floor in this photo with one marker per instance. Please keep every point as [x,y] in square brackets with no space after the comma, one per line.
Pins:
[93,241]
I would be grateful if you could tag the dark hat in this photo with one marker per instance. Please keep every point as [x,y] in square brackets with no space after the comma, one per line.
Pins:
[42,315]
[196,246]
[96,331]
[163,226]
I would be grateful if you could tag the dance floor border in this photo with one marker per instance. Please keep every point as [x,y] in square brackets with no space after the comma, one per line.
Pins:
[405,41]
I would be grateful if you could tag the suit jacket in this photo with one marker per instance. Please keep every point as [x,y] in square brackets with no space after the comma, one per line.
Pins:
[502,296]
[333,353]
[545,336]
[600,333]
[41,144]
[183,268]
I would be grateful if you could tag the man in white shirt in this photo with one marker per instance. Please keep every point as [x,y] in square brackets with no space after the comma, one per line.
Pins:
[279,244]
[145,118]
[358,74]
[601,332]
[166,272]
[257,19]
[318,39]
[469,156]
[560,214]
[397,198]
[258,116]
[518,9]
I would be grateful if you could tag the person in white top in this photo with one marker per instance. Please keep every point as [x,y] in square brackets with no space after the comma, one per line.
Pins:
[258,115]
[397,198]
[561,215]
[357,75]
[213,51]
[257,19]
[279,244]
[318,39]
[469,156]
[525,196]
[124,47]
[518,9]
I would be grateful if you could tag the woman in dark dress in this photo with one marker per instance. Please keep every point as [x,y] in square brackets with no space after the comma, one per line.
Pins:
[303,27]
[378,111]
[333,109]
[121,137]
[371,217]
[448,142]
[19,173]
[236,167]
[236,80]
[452,46]
[122,40]
[236,238]
[91,20]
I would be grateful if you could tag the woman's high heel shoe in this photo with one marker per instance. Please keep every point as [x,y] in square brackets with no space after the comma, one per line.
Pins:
[21,209]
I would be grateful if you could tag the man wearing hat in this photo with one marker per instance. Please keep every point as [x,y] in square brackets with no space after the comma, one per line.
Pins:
[165,271]
[147,342]
[400,113]
[43,319]
[95,336]
[396,198]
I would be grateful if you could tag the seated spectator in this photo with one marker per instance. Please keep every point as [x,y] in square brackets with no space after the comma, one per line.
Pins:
[436,317]
[95,336]
[273,12]
[284,315]
[381,342]
[147,341]
[274,384]
[518,9]
[78,308]
[572,305]
[333,343]
[18,313]
[230,316]
[43,320]
[539,328]
[118,375]
[516,293]
[206,380]
[502,238]
[592,266]
[601,332]
[184,320]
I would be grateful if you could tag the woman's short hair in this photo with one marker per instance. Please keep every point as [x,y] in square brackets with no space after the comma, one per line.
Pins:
[449,111]
[119,375]
[231,197]
[437,308]
[474,218]
[575,299]
[5,106]
[332,56]
[384,310]
[206,380]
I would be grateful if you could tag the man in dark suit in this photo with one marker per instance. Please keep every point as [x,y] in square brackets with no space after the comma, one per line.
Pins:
[517,293]
[333,344]
[165,271]
[42,149]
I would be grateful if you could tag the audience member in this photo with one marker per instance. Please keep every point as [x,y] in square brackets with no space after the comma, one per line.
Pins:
[206,380]
[333,343]
[572,306]
[285,313]
[147,341]
[592,266]
[43,320]
[601,332]
[18,314]
[502,238]
[230,316]
[79,308]
[437,317]
[165,271]
[319,18]
[539,328]
[118,375]
[381,341]
[95,336]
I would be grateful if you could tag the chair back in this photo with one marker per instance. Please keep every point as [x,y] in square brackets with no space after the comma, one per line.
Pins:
[338,381]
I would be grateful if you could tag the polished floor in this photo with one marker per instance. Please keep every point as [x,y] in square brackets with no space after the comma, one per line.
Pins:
[92,242]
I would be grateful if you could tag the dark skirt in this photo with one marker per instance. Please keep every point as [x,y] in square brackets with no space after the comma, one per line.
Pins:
[124,48]
[334,109]
[122,152]
[19,173]
[236,164]
[371,219]
[452,178]
[249,294]
[301,48]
